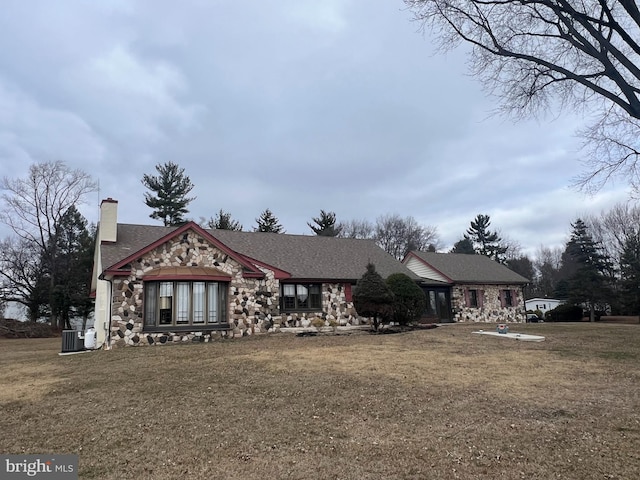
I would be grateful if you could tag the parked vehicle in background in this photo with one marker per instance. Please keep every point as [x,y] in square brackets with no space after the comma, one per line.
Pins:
[533,318]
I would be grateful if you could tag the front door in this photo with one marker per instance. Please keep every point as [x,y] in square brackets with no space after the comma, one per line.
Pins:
[438,305]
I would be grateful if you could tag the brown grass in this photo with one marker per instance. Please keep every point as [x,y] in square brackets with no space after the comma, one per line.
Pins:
[435,404]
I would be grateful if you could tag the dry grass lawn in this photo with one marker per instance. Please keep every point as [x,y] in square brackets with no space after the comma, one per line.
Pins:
[433,404]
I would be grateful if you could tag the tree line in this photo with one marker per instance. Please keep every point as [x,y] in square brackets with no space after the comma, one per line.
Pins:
[168,198]
[46,264]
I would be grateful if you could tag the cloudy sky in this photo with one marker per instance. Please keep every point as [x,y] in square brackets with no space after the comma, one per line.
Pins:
[292,105]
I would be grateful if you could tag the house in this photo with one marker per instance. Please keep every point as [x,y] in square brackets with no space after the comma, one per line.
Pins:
[542,304]
[468,288]
[156,284]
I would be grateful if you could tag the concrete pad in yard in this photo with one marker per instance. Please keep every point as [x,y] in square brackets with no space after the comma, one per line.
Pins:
[525,337]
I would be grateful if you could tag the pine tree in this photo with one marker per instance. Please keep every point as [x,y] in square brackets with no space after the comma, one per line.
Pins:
[588,283]
[169,194]
[372,297]
[325,225]
[72,269]
[223,221]
[464,245]
[267,222]
[630,275]
[409,300]
[485,242]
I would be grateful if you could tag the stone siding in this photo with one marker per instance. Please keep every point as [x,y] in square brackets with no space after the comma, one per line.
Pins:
[253,304]
[491,310]
[336,311]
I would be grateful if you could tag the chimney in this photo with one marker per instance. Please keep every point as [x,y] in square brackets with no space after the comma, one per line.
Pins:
[108,220]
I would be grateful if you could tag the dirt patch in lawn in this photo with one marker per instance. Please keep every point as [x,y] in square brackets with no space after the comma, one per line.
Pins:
[435,404]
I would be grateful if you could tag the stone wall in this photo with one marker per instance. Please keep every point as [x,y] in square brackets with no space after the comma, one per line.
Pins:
[253,304]
[491,309]
[336,311]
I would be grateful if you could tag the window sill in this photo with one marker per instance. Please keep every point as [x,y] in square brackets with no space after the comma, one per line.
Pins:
[303,310]
[203,327]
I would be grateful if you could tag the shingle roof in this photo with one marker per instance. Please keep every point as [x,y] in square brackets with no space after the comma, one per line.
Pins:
[304,257]
[467,268]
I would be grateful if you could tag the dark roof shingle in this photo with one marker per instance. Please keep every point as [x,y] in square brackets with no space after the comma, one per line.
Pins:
[467,268]
[303,256]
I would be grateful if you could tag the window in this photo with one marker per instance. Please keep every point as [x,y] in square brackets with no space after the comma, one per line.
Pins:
[473,298]
[432,307]
[184,303]
[507,298]
[301,296]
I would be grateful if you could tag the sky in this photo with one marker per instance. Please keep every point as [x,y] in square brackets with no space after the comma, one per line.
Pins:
[291,105]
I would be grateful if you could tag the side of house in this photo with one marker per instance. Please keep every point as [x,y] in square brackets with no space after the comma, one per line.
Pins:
[157,285]
[468,288]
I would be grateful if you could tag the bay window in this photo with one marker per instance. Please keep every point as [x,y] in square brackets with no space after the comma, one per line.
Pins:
[184,303]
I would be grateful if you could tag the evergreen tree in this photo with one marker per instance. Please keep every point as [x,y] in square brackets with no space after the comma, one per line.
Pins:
[372,297]
[267,222]
[464,245]
[409,300]
[561,290]
[72,270]
[169,193]
[325,225]
[524,266]
[485,242]
[223,221]
[588,283]
[630,275]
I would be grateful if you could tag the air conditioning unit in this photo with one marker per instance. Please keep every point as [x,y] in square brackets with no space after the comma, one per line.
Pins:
[72,341]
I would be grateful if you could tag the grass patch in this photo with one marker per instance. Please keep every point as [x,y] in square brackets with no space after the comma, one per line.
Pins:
[618,355]
[435,404]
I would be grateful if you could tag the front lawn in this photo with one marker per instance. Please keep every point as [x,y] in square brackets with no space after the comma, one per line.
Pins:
[430,404]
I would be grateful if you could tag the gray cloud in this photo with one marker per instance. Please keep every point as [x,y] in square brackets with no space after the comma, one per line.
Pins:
[292,105]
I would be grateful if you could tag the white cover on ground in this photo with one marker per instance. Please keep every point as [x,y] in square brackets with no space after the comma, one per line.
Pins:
[525,337]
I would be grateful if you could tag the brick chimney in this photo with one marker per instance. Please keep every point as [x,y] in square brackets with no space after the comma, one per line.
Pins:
[108,220]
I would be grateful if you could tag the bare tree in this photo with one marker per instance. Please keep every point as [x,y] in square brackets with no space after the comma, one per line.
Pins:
[398,236]
[23,276]
[537,55]
[612,228]
[548,264]
[356,229]
[33,206]
[513,248]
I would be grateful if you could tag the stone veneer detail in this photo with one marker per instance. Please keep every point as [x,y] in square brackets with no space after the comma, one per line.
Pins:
[491,310]
[253,304]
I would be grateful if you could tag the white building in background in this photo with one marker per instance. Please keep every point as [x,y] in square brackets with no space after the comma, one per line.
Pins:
[15,311]
[542,304]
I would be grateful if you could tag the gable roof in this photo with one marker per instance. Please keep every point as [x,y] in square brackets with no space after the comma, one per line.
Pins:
[467,268]
[304,257]
[117,268]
